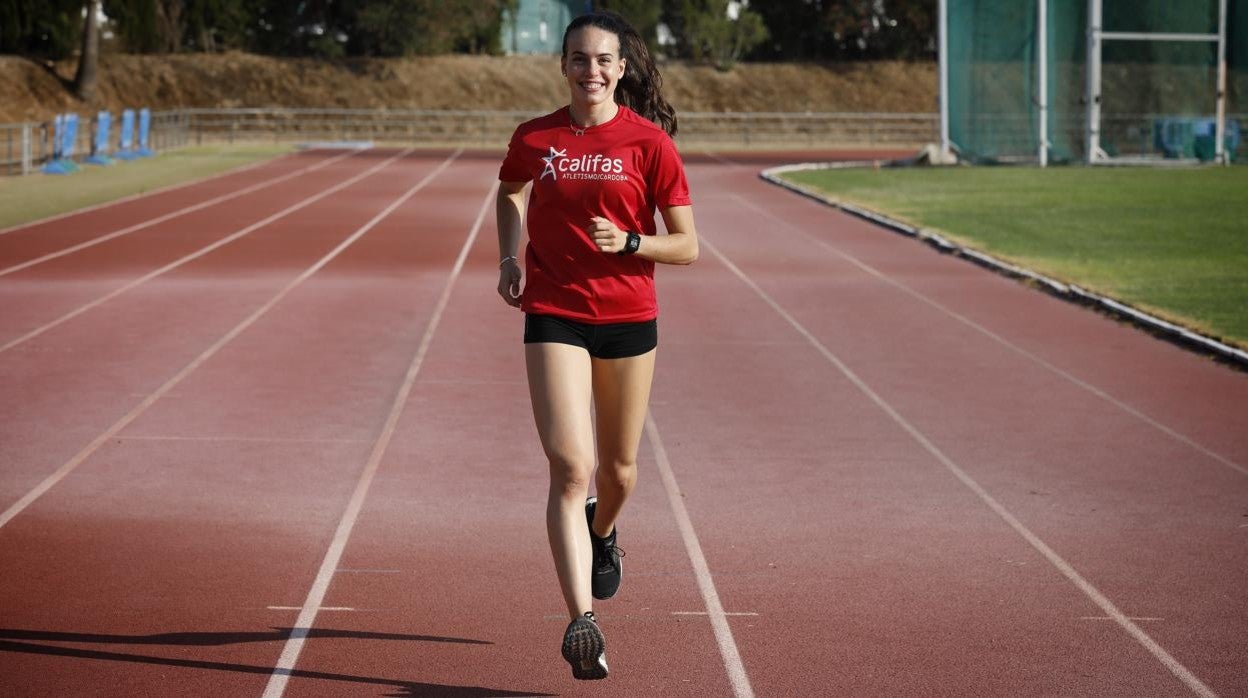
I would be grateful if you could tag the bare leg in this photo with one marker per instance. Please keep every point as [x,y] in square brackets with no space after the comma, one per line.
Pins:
[560,387]
[621,397]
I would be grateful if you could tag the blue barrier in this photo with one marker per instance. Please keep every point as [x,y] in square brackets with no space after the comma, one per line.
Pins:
[125,144]
[99,144]
[145,128]
[1193,137]
[66,131]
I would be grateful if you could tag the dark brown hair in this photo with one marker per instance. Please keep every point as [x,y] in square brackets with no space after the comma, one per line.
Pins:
[641,88]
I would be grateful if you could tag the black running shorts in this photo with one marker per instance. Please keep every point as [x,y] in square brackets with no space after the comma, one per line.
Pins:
[618,340]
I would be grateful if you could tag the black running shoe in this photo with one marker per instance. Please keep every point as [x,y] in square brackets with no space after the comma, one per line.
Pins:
[585,648]
[607,567]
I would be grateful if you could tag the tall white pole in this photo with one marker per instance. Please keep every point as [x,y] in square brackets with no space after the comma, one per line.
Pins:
[1220,154]
[1093,129]
[1042,68]
[943,49]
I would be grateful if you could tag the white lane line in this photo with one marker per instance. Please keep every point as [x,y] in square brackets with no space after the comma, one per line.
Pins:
[701,570]
[246,439]
[1144,618]
[704,613]
[140,195]
[300,608]
[171,215]
[1180,671]
[999,339]
[320,586]
[195,255]
[61,472]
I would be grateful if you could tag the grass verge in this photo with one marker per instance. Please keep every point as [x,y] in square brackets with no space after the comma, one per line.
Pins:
[25,199]
[1170,241]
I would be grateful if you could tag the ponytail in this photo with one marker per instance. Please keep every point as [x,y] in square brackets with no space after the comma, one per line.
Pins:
[641,88]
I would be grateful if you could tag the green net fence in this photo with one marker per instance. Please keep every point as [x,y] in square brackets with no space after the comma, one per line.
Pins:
[1158,98]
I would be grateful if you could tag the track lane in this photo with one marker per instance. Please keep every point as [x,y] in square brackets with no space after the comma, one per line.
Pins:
[451,541]
[1072,465]
[113,359]
[33,255]
[1147,385]
[63,288]
[225,523]
[72,227]
[870,569]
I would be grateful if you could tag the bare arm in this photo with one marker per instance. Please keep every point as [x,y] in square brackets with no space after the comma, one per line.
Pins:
[509,210]
[679,246]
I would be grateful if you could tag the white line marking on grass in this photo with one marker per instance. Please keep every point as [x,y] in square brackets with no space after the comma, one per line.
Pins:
[132,197]
[701,570]
[1180,671]
[170,216]
[198,361]
[320,586]
[999,339]
[195,255]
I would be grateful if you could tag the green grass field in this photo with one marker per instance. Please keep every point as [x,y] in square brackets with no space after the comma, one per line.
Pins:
[24,199]
[1171,241]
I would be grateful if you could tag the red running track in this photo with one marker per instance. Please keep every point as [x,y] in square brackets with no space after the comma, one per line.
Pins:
[291,453]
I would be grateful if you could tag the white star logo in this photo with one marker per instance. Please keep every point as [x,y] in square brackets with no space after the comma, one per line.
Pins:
[550,162]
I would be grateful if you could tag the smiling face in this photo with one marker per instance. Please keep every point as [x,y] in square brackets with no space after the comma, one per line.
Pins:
[593,66]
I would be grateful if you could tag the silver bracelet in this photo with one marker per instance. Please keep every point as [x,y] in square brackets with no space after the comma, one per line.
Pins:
[508,259]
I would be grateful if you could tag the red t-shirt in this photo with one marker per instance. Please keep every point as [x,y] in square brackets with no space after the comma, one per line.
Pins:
[620,170]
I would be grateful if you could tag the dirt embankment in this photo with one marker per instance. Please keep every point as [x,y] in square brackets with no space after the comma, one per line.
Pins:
[34,91]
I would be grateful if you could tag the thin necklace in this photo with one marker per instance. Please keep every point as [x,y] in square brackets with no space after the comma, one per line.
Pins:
[578,130]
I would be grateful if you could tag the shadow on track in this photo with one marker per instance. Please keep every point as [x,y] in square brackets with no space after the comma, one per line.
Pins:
[406,688]
[208,639]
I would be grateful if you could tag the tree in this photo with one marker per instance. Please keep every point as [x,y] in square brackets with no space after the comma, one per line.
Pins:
[422,27]
[319,28]
[169,25]
[139,25]
[45,28]
[89,60]
[718,31]
[644,15]
[216,25]
[848,29]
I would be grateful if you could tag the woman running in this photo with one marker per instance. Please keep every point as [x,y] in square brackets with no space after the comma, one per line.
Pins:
[600,168]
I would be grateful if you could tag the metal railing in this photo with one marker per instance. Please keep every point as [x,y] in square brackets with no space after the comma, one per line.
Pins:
[26,147]
[381,125]
[494,128]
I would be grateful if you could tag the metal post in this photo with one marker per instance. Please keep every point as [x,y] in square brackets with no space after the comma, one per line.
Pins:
[1042,67]
[943,50]
[1093,127]
[1220,154]
[27,165]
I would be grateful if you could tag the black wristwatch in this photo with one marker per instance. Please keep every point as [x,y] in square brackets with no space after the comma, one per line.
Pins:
[634,241]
